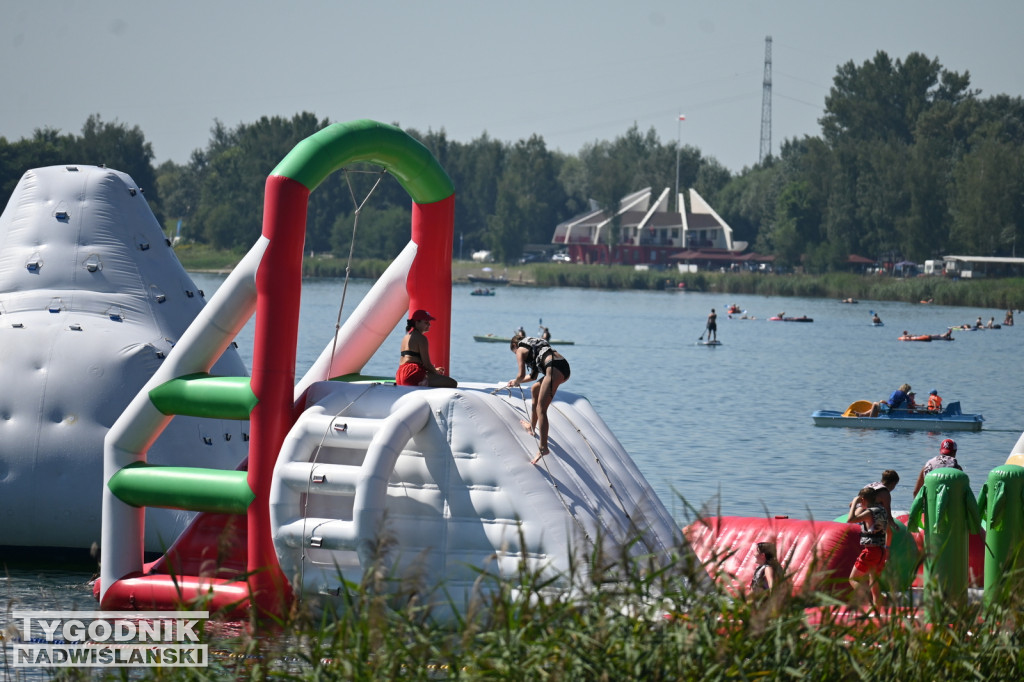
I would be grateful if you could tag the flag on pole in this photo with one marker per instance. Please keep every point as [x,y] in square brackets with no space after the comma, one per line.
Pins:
[681,117]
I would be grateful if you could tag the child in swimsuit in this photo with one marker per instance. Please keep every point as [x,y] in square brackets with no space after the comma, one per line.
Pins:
[875,537]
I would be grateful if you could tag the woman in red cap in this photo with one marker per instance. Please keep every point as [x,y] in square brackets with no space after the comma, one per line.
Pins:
[414,367]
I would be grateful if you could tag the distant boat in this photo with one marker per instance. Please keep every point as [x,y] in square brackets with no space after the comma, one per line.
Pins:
[491,338]
[476,279]
[482,292]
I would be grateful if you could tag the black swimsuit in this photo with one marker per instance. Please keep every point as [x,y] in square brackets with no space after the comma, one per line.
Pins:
[562,365]
[410,354]
[541,356]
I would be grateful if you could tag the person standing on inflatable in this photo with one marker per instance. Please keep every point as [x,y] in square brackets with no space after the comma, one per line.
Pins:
[541,358]
[946,458]
[883,490]
[414,367]
[875,538]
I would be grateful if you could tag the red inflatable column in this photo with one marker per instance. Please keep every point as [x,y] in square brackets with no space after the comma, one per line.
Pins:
[279,289]
[430,278]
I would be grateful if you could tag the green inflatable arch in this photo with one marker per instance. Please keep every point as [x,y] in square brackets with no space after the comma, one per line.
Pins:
[328,150]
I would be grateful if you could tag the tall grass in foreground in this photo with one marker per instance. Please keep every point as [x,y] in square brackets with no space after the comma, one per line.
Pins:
[653,625]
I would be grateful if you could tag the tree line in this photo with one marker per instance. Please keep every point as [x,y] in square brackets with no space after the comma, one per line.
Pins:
[910,163]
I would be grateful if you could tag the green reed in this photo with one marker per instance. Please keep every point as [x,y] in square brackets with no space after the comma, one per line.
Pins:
[626,619]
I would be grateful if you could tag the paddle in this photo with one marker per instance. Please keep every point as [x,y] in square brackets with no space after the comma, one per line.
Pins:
[701,337]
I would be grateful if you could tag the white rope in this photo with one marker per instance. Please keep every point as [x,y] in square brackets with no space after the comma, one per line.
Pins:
[351,249]
[607,478]
[309,480]
[552,481]
[334,346]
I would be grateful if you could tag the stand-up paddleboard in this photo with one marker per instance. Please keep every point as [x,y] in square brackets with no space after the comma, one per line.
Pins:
[709,343]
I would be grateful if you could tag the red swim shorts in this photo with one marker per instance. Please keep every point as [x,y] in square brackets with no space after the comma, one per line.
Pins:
[871,559]
[411,374]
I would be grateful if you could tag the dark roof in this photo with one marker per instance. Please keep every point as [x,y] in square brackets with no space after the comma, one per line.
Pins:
[665,220]
[701,220]
[657,219]
[631,218]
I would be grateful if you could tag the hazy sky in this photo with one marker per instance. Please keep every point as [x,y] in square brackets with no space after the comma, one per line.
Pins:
[572,71]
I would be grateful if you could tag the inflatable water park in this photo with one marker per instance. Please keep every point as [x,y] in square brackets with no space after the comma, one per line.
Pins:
[92,302]
[342,476]
[245,491]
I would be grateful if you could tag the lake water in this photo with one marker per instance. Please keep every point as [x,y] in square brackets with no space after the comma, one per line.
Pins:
[730,426]
[725,428]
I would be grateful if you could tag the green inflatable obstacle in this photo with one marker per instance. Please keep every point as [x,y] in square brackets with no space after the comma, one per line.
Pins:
[1002,508]
[946,509]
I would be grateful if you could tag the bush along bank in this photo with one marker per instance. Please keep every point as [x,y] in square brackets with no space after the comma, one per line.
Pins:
[976,293]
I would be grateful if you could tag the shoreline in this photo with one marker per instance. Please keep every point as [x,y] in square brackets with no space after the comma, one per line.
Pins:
[999,294]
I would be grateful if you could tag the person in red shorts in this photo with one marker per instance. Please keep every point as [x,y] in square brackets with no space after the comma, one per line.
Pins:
[414,367]
[875,538]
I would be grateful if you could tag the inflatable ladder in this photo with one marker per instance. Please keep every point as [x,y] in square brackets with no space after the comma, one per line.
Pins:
[215,491]
[191,488]
[330,487]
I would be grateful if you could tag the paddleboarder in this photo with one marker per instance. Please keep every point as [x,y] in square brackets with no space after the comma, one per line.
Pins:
[712,327]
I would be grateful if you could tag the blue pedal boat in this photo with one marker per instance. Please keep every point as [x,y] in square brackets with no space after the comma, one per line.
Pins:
[950,419]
